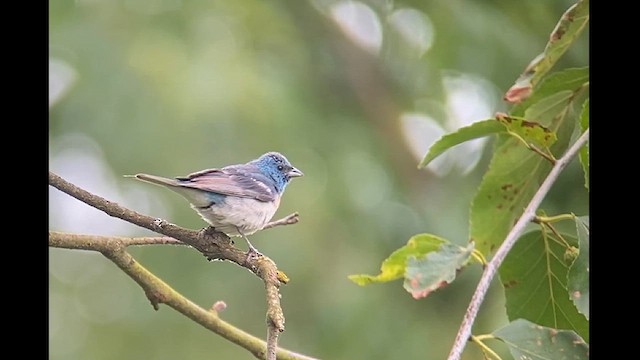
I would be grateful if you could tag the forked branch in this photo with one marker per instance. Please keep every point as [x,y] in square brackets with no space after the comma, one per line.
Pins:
[213,246]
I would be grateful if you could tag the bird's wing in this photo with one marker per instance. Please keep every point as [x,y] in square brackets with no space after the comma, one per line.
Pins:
[232,180]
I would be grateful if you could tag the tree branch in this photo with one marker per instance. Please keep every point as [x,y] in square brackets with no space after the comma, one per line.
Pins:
[164,240]
[492,267]
[157,291]
[213,245]
[287,220]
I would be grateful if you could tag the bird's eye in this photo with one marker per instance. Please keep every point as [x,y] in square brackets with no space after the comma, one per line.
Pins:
[280,167]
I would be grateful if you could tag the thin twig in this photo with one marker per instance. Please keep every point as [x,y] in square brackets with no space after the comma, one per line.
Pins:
[272,342]
[287,220]
[492,267]
[275,316]
[275,320]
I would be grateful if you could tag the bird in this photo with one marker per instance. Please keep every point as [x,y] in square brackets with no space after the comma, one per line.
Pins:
[238,199]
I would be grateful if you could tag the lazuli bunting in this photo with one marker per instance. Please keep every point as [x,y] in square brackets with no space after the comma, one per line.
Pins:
[237,200]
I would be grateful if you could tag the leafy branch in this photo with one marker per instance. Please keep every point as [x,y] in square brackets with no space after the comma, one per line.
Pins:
[492,267]
[213,245]
[544,273]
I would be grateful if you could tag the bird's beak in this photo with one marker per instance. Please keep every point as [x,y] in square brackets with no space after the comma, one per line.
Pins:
[294,173]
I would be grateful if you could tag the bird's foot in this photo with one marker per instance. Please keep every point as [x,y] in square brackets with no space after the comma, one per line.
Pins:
[253,253]
[206,233]
[211,234]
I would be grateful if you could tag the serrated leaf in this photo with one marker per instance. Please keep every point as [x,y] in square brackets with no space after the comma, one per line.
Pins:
[530,131]
[578,278]
[570,26]
[568,79]
[476,130]
[395,265]
[436,269]
[515,174]
[534,276]
[584,152]
[530,341]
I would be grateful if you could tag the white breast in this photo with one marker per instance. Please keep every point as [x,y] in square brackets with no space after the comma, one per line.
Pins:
[246,215]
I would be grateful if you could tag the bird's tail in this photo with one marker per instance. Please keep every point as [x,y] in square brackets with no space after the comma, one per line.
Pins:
[158,180]
[198,198]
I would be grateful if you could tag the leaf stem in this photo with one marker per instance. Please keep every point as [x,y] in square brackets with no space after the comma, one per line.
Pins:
[484,347]
[549,157]
[556,218]
[479,257]
[559,237]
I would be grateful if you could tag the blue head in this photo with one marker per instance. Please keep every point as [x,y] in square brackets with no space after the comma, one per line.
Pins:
[277,167]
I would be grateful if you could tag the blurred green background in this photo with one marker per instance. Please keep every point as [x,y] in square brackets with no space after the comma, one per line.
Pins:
[353,93]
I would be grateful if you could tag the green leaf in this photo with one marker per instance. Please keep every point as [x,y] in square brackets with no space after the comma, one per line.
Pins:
[473,131]
[578,280]
[395,265]
[530,341]
[546,109]
[534,276]
[584,152]
[570,79]
[427,263]
[529,131]
[437,269]
[515,173]
[570,26]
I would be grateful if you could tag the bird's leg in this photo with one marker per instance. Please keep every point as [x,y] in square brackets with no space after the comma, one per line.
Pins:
[253,252]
